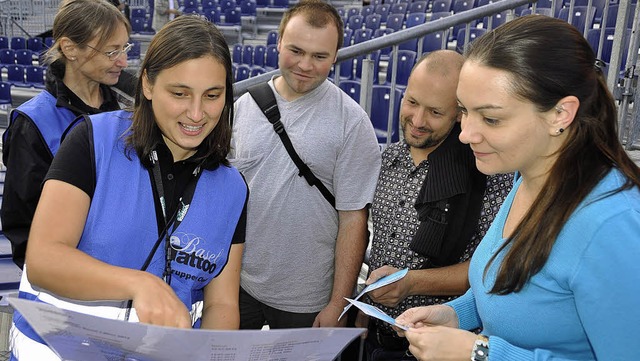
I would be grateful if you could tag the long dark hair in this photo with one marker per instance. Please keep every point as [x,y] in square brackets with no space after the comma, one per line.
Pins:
[548,59]
[185,38]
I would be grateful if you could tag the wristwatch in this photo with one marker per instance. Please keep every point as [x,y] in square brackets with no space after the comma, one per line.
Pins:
[480,351]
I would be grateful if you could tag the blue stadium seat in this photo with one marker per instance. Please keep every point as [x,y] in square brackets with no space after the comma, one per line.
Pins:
[257,70]
[473,34]
[189,4]
[247,54]
[18,42]
[597,4]
[352,11]
[395,22]
[355,22]
[48,42]
[135,52]
[209,4]
[406,60]
[418,7]
[352,88]
[612,15]
[191,10]
[248,8]
[373,21]
[541,11]
[384,52]
[348,37]
[593,37]
[232,17]
[496,20]
[346,69]
[398,8]
[7,57]
[35,76]
[259,52]
[263,3]
[4,42]
[280,3]
[138,26]
[15,75]
[361,35]
[35,44]
[413,19]
[271,57]
[380,104]
[236,53]
[383,11]
[434,41]
[5,94]
[227,4]
[462,5]
[138,13]
[212,14]
[24,57]
[272,37]
[367,10]
[440,5]
[548,5]
[243,71]
[582,18]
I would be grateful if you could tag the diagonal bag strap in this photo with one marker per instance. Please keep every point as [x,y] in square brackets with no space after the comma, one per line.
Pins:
[266,100]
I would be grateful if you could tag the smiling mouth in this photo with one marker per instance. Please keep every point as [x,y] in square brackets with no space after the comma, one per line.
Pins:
[191,128]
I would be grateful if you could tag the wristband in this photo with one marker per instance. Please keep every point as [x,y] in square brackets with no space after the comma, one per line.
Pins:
[480,351]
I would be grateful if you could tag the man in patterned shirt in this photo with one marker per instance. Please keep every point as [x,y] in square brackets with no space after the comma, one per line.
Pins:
[431,206]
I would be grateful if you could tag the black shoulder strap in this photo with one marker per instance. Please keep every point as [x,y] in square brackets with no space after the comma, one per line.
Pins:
[263,95]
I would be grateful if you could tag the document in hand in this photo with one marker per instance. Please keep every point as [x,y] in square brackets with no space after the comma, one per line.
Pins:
[77,336]
[374,311]
[388,279]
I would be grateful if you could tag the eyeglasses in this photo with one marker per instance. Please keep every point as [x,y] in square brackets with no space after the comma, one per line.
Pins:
[113,55]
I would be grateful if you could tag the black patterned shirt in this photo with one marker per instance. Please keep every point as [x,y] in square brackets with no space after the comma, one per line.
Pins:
[395,220]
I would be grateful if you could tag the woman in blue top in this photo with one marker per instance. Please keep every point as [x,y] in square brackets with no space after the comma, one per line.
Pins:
[141,214]
[557,276]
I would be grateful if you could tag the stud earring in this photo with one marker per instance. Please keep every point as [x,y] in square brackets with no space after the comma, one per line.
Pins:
[559,108]
[559,131]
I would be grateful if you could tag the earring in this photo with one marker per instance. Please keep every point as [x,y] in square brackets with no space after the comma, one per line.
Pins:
[559,109]
[559,131]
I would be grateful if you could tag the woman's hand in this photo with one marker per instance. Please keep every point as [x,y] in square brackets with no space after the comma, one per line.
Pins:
[438,315]
[156,303]
[430,343]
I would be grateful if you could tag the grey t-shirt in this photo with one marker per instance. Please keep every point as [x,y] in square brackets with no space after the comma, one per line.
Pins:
[288,260]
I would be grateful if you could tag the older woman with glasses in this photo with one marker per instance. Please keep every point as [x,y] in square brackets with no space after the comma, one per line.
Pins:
[86,60]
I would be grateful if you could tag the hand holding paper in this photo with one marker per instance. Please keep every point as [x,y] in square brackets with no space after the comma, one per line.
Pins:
[377,284]
[374,311]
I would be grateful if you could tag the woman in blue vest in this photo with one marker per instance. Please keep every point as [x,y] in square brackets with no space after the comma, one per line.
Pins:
[556,276]
[86,60]
[141,213]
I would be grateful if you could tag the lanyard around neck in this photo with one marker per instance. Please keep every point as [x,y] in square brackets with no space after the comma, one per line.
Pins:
[176,218]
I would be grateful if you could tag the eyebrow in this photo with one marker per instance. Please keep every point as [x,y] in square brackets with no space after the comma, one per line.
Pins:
[291,46]
[183,86]
[482,107]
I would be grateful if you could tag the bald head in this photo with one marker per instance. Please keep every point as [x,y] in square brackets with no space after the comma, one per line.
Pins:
[445,63]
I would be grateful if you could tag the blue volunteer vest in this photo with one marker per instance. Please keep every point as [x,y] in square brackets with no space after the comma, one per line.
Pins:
[121,226]
[51,121]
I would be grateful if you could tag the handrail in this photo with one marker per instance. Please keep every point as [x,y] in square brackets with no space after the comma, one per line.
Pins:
[398,37]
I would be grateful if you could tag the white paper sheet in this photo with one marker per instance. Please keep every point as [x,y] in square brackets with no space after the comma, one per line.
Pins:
[374,311]
[80,337]
[381,282]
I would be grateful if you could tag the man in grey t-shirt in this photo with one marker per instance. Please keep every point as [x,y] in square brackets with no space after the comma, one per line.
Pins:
[302,256]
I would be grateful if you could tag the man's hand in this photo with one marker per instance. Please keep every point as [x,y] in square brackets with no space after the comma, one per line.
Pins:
[328,317]
[392,294]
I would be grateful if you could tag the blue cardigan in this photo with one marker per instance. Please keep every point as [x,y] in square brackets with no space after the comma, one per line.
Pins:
[584,304]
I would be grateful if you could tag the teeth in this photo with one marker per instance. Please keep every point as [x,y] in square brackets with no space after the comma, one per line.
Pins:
[191,128]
